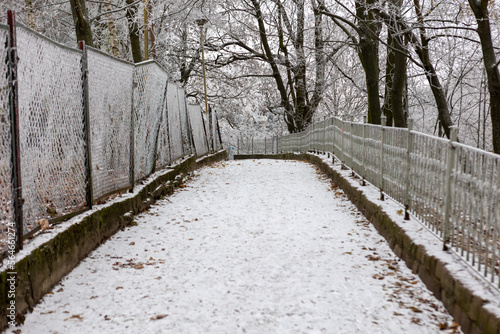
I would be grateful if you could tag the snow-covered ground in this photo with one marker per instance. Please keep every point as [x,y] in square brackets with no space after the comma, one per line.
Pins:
[246,247]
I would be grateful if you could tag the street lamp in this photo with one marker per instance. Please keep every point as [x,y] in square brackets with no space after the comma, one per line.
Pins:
[201,23]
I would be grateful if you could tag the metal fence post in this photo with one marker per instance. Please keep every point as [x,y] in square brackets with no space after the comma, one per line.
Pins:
[333,139]
[448,197]
[409,149]
[86,126]
[382,141]
[351,152]
[342,160]
[17,185]
[132,137]
[363,167]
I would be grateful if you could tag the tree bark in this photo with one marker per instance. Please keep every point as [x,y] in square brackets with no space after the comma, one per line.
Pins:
[133,31]
[112,30]
[368,50]
[319,45]
[480,9]
[422,50]
[289,112]
[80,19]
[393,107]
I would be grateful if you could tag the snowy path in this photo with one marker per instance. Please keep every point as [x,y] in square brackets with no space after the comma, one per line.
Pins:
[246,247]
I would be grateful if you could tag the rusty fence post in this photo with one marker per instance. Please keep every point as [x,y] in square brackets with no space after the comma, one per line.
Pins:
[89,191]
[17,192]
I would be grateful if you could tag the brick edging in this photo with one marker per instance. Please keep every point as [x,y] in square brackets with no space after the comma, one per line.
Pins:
[46,265]
[467,308]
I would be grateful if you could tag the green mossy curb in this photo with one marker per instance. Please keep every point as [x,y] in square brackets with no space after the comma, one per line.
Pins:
[45,266]
[467,308]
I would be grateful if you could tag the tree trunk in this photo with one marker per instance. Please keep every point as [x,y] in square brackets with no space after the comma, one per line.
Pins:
[395,71]
[285,103]
[422,50]
[133,31]
[31,14]
[480,9]
[112,30]
[82,26]
[301,109]
[389,75]
[320,60]
[368,48]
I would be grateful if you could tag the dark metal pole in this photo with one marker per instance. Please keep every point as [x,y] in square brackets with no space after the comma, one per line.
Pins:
[86,126]
[17,192]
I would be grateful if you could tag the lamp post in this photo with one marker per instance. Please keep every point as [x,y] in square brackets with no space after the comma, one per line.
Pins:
[201,23]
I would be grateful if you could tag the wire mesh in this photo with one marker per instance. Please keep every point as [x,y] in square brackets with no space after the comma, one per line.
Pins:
[174,121]
[150,82]
[163,156]
[198,129]
[110,106]
[51,128]
[5,143]
[186,140]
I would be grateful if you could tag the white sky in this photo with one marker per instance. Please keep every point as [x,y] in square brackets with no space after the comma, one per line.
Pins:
[246,247]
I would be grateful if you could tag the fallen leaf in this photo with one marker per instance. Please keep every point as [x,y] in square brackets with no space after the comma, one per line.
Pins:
[415,309]
[139,266]
[132,243]
[44,223]
[75,316]
[160,316]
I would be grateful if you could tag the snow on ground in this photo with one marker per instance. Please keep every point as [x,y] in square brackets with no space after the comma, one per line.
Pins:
[246,247]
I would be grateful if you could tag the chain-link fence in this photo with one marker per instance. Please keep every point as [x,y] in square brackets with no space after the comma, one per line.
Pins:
[452,188]
[110,109]
[199,130]
[89,125]
[51,127]
[6,194]
[252,145]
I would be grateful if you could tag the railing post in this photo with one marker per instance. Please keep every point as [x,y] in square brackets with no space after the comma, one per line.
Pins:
[449,175]
[17,186]
[382,142]
[333,139]
[132,136]
[325,121]
[363,167]
[86,126]
[351,153]
[342,148]
[238,145]
[409,149]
